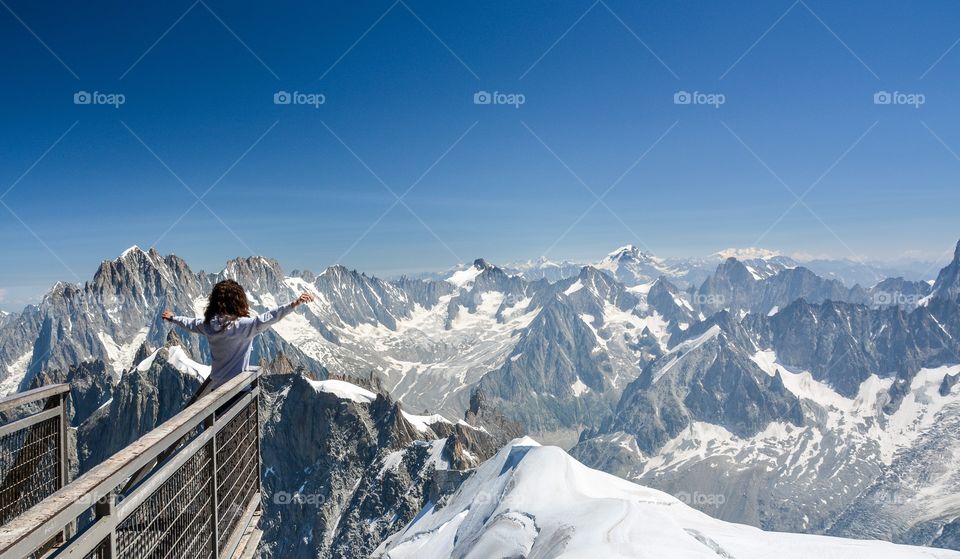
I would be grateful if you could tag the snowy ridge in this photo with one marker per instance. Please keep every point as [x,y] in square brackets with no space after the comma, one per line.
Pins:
[537,501]
[15,373]
[179,359]
[343,389]
[750,253]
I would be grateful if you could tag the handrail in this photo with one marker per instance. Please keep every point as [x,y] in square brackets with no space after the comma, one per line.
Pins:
[22,536]
[22,398]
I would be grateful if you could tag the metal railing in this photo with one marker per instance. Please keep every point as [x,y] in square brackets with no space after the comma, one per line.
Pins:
[195,504]
[33,450]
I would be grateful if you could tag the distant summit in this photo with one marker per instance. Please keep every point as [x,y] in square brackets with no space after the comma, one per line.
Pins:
[749,253]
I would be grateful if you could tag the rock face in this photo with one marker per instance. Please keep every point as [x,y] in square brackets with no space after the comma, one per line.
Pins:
[807,420]
[145,397]
[90,388]
[345,467]
[704,378]
[736,287]
[843,344]
[898,292]
[109,318]
[947,285]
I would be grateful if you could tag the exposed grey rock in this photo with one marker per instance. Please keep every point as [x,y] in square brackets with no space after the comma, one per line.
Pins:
[899,505]
[736,288]
[899,292]
[844,343]
[483,415]
[949,381]
[356,474]
[90,388]
[536,384]
[947,285]
[712,381]
[140,402]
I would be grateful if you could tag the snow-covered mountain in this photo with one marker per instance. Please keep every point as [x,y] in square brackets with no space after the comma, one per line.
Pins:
[430,342]
[542,268]
[537,501]
[631,266]
[802,400]
[807,420]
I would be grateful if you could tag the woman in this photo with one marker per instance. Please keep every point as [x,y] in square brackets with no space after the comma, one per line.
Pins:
[230,330]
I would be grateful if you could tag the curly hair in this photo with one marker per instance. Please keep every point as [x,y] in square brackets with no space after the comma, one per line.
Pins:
[227,300]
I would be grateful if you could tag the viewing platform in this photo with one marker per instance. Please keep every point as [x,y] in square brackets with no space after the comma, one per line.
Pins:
[188,489]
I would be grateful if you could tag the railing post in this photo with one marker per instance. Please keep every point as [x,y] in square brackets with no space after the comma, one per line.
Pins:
[208,423]
[64,453]
[256,385]
[106,507]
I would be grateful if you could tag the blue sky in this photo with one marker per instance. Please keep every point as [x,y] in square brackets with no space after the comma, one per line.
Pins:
[312,186]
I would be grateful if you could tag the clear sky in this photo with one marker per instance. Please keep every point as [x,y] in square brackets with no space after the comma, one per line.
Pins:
[315,185]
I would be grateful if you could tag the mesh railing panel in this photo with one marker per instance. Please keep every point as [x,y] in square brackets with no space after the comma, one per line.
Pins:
[238,466]
[29,467]
[102,551]
[176,520]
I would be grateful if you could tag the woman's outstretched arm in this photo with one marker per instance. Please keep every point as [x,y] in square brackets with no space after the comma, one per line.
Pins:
[185,322]
[263,321]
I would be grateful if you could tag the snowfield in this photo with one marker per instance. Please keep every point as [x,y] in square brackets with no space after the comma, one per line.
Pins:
[538,502]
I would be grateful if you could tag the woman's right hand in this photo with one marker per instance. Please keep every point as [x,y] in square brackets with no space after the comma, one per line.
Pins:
[167,315]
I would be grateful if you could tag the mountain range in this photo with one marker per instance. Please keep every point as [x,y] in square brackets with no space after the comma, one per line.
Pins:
[791,400]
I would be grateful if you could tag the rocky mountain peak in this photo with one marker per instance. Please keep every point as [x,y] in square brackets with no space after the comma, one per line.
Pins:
[256,273]
[173,339]
[627,252]
[948,280]
[482,264]
[305,275]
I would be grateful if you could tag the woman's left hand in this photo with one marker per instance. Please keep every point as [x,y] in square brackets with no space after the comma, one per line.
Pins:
[303,298]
